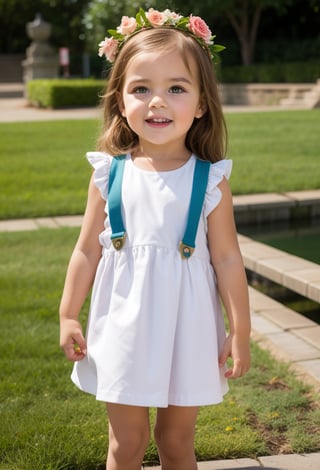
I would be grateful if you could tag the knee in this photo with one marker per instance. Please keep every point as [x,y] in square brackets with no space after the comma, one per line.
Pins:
[128,446]
[173,444]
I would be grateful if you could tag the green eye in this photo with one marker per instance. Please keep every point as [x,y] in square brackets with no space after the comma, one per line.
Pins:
[140,90]
[176,89]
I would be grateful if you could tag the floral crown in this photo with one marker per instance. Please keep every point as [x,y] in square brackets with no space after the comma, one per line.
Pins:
[194,25]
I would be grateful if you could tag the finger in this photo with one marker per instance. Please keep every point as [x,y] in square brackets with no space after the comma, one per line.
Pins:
[73,352]
[80,345]
[223,357]
[236,372]
[228,374]
[233,373]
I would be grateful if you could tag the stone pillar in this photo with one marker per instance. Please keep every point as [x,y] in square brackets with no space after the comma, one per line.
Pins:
[41,61]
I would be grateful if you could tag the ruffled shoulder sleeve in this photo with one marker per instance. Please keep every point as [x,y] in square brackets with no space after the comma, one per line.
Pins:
[218,171]
[101,163]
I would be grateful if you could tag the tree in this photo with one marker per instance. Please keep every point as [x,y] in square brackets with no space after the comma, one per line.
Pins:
[244,17]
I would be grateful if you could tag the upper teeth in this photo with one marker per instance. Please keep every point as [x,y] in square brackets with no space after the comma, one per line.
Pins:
[159,120]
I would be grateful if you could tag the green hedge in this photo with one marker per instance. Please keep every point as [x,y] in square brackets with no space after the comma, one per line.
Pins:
[295,72]
[64,93]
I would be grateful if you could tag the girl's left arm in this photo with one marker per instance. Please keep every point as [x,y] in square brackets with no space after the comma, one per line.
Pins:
[227,262]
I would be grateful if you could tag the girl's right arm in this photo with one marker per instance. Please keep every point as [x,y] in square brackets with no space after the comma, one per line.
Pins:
[80,275]
[232,282]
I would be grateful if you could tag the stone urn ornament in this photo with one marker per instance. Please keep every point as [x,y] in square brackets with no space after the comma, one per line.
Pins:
[42,60]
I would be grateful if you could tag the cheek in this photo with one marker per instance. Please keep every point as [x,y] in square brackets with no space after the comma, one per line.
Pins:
[131,107]
[188,111]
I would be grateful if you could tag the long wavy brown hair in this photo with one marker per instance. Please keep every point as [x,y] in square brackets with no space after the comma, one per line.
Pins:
[207,137]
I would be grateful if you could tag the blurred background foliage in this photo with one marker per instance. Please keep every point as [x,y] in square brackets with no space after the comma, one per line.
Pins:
[254,31]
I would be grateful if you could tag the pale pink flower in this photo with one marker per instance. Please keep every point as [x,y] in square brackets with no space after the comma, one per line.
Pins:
[156,18]
[171,15]
[200,28]
[109,48]
[127,26]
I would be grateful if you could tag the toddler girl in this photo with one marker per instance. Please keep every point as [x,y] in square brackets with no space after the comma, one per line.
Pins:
[157,251]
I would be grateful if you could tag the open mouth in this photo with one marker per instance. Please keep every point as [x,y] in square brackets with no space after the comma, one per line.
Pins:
[158,121]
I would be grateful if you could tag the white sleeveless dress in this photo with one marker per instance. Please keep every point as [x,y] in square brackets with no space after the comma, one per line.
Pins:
[155,326]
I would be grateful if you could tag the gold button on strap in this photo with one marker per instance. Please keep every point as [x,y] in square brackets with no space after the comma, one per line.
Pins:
[118,242]
[186,250]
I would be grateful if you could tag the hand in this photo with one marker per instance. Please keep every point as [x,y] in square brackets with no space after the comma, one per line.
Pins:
[238,348]
[71,340]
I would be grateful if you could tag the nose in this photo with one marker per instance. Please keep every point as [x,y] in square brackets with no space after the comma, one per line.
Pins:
[157,101]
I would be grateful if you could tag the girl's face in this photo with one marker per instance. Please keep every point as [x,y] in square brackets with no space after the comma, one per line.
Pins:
[160,99]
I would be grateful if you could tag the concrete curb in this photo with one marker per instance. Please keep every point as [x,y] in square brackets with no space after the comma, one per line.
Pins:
[277,462]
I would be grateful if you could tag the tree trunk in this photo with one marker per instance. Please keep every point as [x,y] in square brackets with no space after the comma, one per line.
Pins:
[246,30]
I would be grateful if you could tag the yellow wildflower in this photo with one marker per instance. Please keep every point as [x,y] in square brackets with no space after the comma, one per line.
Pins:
[229,428]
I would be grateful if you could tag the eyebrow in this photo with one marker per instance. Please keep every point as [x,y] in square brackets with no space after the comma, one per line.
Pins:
[173,80]
[181,79]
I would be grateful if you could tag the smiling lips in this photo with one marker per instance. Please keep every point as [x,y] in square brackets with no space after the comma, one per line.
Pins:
[158,122]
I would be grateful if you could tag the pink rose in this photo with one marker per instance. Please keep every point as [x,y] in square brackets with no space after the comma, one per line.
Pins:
[109,48]
[156,18]
[127,26]
[200,28]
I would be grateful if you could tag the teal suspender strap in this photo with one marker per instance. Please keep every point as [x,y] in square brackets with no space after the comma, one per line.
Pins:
[199,186]
[114,201]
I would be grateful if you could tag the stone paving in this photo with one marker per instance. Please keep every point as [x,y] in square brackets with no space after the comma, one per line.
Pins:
[287,334]
[277,462]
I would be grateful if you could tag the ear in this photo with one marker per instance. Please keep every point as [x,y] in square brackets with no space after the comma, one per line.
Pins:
[201,109]
[120,104]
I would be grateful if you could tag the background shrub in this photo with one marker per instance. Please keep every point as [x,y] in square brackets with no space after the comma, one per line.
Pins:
[65,92]
[295,72]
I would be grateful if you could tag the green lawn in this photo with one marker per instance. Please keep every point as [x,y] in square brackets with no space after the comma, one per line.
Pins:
[43,170]
[275,151]
[47,424]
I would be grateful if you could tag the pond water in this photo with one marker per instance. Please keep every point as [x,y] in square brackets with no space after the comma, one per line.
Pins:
[301,239]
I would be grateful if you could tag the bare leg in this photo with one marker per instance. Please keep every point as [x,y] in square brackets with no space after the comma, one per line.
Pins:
[174,434]
[129,434]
